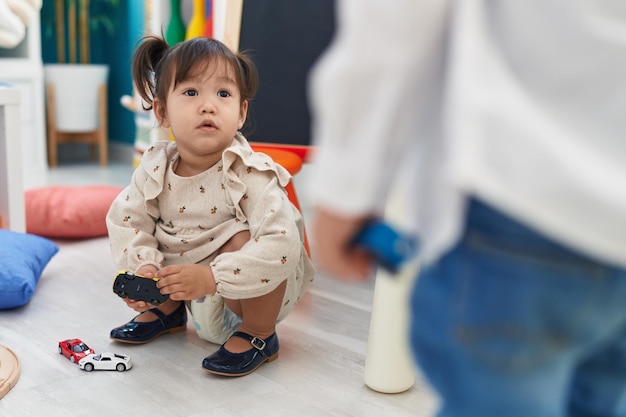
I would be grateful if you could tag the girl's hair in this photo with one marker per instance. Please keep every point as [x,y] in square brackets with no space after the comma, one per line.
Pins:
[156,66]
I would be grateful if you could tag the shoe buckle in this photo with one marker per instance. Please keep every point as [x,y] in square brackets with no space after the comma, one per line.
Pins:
[259,344]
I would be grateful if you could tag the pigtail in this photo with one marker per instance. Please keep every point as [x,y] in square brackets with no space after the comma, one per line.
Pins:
[146,66]
[249,76]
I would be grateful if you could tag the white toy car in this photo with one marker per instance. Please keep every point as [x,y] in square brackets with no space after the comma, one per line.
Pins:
[105,362]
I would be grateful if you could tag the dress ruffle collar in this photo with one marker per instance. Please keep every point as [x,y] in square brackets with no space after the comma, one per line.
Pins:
[158,157]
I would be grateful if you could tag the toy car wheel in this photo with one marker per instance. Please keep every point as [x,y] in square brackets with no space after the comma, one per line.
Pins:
[89,367]
[60,352]
[73,359]
[120,367]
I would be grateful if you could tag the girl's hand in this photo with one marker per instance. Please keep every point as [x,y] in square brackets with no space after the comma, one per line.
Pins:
[138,306]
[186,282]
[147,271]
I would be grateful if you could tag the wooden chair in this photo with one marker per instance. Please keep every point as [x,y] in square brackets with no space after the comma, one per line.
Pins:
[94,138]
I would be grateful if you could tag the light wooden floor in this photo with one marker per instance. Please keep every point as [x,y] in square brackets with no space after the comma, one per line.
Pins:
[319,371]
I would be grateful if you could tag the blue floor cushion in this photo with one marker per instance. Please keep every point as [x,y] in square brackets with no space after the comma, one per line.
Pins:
[23,258]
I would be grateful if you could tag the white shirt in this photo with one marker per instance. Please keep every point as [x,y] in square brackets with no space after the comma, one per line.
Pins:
[519,103]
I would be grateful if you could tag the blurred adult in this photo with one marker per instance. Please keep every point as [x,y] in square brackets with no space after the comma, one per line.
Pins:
[511,114]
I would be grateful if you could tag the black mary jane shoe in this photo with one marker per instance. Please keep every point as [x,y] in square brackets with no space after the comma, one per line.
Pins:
[137,332]
[227,363]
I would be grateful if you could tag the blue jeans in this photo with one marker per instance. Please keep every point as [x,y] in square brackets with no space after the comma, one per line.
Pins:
[511,324]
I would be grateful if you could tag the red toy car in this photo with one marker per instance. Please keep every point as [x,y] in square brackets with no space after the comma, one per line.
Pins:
[74,349]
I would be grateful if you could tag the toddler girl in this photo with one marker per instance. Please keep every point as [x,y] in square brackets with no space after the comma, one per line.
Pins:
[207,215]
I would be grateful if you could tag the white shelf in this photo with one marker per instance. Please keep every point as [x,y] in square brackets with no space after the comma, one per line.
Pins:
[22,67]
[11,190]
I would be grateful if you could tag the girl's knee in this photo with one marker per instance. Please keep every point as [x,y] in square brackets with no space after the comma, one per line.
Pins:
[234,306]
[236,242]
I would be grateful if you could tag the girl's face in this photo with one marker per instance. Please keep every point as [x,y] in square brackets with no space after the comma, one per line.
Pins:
[204,112]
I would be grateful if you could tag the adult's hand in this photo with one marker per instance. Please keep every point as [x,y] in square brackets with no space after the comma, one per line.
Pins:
[333,252]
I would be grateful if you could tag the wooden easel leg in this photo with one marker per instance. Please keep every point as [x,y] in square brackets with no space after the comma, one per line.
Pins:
[102,133]
[52,132]
[92,147]
[232,29]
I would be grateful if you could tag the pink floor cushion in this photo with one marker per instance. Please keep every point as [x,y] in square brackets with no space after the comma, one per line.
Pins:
[69,211]
[22,260]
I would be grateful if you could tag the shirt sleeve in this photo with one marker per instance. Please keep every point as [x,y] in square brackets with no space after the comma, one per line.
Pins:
[365,95]
[131,228]
[274,251]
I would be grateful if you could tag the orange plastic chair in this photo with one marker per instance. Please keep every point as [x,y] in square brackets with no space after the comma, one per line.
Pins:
[292,162]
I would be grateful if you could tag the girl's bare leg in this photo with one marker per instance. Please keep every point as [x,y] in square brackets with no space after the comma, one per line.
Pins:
[259,316]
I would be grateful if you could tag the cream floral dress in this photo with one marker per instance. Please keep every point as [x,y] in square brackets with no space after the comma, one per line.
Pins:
[164,219]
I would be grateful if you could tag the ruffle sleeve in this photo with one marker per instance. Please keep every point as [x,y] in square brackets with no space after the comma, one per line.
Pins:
[154,161]
[235,187]
[132,217]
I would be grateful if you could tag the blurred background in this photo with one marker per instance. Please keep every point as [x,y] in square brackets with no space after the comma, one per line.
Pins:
[283,37]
